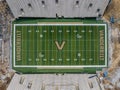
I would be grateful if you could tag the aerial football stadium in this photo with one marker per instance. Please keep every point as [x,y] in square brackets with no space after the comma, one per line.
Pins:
[64,41]
[67,46]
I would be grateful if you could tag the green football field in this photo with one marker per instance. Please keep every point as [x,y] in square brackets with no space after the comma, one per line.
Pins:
[60,45]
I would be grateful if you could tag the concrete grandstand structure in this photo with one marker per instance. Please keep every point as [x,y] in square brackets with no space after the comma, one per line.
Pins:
[61,8]
[55,82]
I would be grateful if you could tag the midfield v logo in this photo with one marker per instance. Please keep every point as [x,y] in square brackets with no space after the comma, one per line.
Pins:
[60,47]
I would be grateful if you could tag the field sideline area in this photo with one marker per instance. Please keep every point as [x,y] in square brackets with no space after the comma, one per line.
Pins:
[59,45]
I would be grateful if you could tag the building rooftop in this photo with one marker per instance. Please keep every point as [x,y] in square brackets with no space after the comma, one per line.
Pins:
[54,82]
[58,8]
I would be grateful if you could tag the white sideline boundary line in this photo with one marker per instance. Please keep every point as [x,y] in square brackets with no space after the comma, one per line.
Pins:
[106,48]
[60,67]
[14,46]
[59,24]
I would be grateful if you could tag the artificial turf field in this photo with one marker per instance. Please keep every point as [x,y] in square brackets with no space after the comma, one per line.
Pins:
[59,45]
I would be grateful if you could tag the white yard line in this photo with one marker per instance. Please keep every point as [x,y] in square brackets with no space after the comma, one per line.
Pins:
[90,44]
[57,51]
[97,47]
[94,48]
